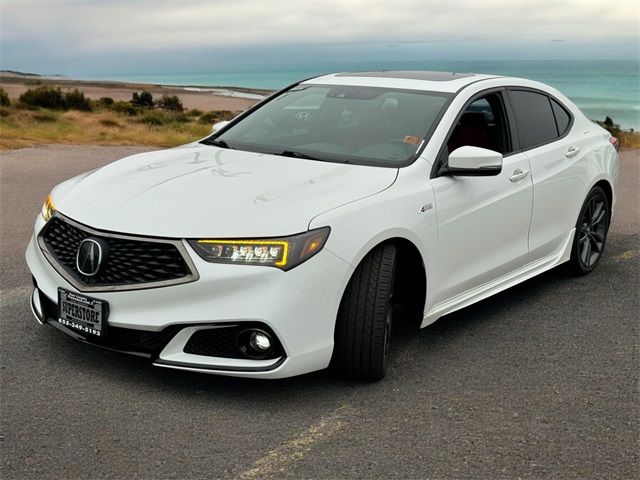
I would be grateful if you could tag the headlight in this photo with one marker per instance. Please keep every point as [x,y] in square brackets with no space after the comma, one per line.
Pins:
[48,209]
[284,253]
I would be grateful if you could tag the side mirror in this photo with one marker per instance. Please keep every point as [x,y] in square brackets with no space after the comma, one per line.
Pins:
[474,162]
[219,126]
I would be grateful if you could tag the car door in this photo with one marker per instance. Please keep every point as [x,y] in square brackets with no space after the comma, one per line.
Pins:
[543,127]
[483,222]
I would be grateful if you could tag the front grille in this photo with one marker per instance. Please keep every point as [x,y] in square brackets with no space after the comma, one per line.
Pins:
[129,261]
[221,342]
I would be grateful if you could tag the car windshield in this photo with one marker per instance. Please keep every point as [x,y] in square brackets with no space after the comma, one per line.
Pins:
[337,123]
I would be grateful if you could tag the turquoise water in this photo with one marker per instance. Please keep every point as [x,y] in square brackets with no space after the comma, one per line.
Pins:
[599,88]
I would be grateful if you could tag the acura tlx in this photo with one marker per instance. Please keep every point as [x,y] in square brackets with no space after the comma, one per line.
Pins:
[294,236]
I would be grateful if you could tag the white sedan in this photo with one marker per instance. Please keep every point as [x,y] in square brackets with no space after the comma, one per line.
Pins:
[285,242]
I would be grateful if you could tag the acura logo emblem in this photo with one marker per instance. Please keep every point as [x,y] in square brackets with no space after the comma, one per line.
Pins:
[89,257]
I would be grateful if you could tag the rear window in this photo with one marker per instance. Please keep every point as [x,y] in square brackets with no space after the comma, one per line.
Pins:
[534,117]
[563,119]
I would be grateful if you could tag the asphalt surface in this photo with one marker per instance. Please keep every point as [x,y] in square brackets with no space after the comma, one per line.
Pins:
[540,381]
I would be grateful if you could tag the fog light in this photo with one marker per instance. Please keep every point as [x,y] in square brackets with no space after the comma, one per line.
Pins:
[257,344]
[259,341]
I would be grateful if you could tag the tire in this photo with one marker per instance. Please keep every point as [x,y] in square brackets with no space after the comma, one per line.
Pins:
[363,325]
[591,233]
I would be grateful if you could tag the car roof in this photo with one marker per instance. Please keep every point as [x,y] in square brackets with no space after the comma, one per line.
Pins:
[406,79]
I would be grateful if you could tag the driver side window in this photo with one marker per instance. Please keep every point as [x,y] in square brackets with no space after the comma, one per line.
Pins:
[482,124]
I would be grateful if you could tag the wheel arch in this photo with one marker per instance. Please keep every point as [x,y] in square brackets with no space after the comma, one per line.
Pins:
[411,275]
[608,191]
[411,279]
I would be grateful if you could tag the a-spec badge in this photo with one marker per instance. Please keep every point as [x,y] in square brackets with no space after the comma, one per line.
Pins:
[426,207]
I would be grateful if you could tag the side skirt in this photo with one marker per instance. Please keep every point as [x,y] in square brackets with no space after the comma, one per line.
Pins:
[563,254]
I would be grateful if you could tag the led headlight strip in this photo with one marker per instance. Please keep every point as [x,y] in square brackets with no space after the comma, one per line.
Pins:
[48,209]
[249,251]
[284,253]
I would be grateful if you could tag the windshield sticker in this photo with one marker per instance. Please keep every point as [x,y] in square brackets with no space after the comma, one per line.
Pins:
[412,140]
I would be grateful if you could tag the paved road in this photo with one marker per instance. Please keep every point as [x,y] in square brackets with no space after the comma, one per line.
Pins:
[538,382]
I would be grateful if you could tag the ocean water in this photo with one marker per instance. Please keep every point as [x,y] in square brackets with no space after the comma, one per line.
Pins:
[599,87]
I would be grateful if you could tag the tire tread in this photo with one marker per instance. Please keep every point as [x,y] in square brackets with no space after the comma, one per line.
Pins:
[360,326]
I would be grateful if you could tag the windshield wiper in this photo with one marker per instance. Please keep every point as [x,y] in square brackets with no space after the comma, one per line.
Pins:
[219,143]
[294,154]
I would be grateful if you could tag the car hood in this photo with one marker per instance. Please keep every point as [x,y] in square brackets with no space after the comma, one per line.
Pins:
[204,191]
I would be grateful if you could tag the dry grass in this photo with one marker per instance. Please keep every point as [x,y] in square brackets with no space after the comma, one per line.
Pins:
[629,139]
[23,128]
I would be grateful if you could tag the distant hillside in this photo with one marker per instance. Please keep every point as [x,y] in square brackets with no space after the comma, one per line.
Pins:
[18,74]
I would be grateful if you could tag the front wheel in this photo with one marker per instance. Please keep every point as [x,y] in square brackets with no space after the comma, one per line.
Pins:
[363,326]
[591,233]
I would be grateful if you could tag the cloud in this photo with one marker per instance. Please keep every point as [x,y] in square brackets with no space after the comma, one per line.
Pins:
[83,36]
[108,26]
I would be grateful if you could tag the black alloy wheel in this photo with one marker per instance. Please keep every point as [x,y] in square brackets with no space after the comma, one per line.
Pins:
[591,232]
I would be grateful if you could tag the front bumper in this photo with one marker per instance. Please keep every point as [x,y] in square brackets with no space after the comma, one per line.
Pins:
[298,306]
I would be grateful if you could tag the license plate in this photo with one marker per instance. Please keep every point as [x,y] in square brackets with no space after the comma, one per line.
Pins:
[82,314]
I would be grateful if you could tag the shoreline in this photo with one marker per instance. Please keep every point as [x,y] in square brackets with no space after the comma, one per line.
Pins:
[200,97]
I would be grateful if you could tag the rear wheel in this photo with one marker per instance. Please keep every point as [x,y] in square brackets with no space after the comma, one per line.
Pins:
[363,326]
[591,233]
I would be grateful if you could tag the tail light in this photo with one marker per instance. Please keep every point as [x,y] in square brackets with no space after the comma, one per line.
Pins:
[614,141]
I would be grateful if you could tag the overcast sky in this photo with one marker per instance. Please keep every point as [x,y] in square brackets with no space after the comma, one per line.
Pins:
[75,36]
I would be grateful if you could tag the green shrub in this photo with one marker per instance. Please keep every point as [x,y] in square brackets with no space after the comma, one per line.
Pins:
[154,119]
[105,101]
[215,116]
[123,107]
[53,98]
[194,112]
[170,102]
[75,100]
[4,98]
[142,99]
[179,118]
[45,97]
[4,112]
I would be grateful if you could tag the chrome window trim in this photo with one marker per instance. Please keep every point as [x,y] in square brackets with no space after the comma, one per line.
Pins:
[81,287]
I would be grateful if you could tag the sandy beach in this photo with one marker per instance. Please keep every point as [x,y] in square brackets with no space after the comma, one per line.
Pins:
[201,97]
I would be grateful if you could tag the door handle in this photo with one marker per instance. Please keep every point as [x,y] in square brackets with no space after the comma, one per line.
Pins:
[518,174]
[572,152]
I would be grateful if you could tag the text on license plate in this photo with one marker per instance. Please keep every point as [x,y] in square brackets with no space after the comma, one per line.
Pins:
[80,313]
